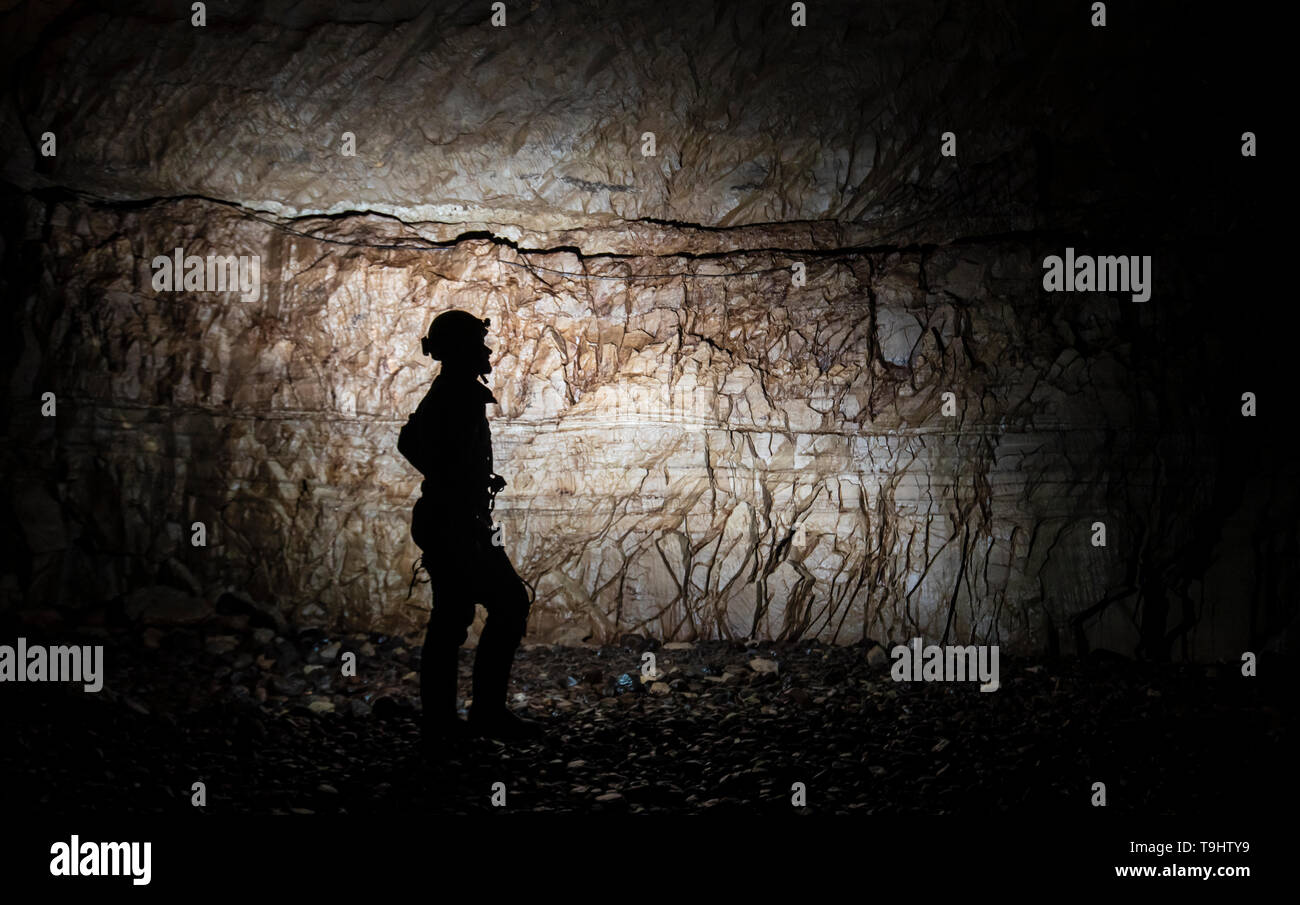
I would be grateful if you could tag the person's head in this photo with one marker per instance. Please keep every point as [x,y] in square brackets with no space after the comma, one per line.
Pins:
[456,339]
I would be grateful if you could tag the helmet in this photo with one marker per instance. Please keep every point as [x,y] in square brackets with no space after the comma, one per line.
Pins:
[451,330]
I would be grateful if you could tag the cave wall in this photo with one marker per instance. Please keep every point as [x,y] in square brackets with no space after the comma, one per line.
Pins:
[691,452]
[663,437]
[538,126]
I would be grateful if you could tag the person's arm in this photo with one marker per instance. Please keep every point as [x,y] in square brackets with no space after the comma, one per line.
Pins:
[412,441]
[449,444]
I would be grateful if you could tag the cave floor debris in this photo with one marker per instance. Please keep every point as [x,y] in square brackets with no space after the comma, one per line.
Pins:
[270,725]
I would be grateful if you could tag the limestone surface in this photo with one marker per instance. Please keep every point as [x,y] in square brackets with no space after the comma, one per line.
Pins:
[687,456]
[914,440]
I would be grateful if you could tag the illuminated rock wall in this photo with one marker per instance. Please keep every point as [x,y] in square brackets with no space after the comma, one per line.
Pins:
[688,456]
[696,446]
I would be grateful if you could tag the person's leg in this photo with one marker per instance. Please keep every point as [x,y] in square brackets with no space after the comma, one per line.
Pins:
[453,611]
[506,599]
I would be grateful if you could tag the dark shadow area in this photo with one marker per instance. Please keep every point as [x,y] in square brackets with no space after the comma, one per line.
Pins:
[270,730]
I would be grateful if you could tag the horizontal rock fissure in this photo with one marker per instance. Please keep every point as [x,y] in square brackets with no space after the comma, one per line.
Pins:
[819,252]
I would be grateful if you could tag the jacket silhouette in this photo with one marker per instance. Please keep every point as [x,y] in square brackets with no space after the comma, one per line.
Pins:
[448,439]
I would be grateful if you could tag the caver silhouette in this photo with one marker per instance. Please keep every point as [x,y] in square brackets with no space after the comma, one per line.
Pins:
[447,438]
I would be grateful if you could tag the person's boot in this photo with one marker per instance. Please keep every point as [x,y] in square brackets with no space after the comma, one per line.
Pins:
[438,732]
[440,723]
[489,717]
[502,725]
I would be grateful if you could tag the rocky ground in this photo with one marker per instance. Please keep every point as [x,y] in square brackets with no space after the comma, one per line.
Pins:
[267,721]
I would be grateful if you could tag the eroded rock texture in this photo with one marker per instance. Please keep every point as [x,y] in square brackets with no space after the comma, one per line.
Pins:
[540,124]
[687,456]
[695,446]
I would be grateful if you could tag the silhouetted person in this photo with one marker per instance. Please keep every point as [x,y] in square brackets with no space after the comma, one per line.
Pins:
[447,438]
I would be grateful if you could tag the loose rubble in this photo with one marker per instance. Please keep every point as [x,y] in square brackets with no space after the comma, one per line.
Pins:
[271,725]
